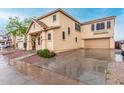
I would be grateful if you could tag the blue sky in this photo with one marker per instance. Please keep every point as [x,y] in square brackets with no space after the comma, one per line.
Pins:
[81,14]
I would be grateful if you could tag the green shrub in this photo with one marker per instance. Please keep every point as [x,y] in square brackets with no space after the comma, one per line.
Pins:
[39,52]
[45,53]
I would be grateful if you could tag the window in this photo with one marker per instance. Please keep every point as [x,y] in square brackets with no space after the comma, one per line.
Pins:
[63,35]
[49,36]
[100,26]
[92,27]
[68,30]
[75,39]
[39,40]
[108,24]
[54,17]
[77,27]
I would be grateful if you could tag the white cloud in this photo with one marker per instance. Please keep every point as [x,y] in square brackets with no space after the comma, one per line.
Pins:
[5,15]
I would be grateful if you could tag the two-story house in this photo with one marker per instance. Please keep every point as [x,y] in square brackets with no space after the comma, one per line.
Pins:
[58,31]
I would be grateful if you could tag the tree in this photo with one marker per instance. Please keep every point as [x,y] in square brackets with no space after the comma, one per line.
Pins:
[12,28]
[17,27]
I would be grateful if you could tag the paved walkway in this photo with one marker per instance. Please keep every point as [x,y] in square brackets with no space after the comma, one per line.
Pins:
[22,73]
[7,51]
[19,53]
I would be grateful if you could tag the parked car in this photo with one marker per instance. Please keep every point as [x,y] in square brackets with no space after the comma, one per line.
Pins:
[2,45]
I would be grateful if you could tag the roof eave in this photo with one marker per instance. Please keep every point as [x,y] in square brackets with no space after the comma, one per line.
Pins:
[98,20]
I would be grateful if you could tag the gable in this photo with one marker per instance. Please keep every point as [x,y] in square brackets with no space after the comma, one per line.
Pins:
[36,26]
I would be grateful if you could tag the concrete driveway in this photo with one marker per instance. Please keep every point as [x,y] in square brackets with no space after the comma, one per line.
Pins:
[82,66]
[86,65]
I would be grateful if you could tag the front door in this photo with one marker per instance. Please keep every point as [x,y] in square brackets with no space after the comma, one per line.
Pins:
[33,42]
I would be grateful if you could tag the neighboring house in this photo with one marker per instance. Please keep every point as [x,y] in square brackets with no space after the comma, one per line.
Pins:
[58,32]
[20,42]
[118,44]
[5,41]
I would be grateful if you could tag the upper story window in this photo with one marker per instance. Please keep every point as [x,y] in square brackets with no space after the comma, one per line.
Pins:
[49,36]
[100,26]
[63,35]
[108,24]
[92,27]
[54,17]
[68,30]
[77,27]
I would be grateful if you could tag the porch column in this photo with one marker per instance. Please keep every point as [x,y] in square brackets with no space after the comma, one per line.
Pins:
[112,43]
[43,40]
[29,47]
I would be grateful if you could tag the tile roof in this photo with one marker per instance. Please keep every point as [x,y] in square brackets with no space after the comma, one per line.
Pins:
[43,25]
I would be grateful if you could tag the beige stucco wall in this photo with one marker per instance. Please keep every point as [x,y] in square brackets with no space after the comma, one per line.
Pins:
[37,28]
[37,45]
[69,42]
[49,20]
[49,43]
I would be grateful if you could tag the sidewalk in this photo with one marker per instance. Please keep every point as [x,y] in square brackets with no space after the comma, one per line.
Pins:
[16,54]
[116,73]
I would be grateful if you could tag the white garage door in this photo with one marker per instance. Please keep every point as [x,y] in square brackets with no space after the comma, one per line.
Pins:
[20,45]
[97,43]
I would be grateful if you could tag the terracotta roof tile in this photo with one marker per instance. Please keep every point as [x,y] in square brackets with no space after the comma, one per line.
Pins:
[43,25]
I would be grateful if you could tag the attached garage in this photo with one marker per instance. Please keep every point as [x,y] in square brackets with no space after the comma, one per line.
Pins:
[97,43]
[20,45]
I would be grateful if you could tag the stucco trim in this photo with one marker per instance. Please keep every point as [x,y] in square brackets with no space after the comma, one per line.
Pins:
[100,32]
[49,28]
[95,38]
[52,27]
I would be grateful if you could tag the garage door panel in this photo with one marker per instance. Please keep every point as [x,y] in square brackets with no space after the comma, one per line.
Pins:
[20,45]
[97,43]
